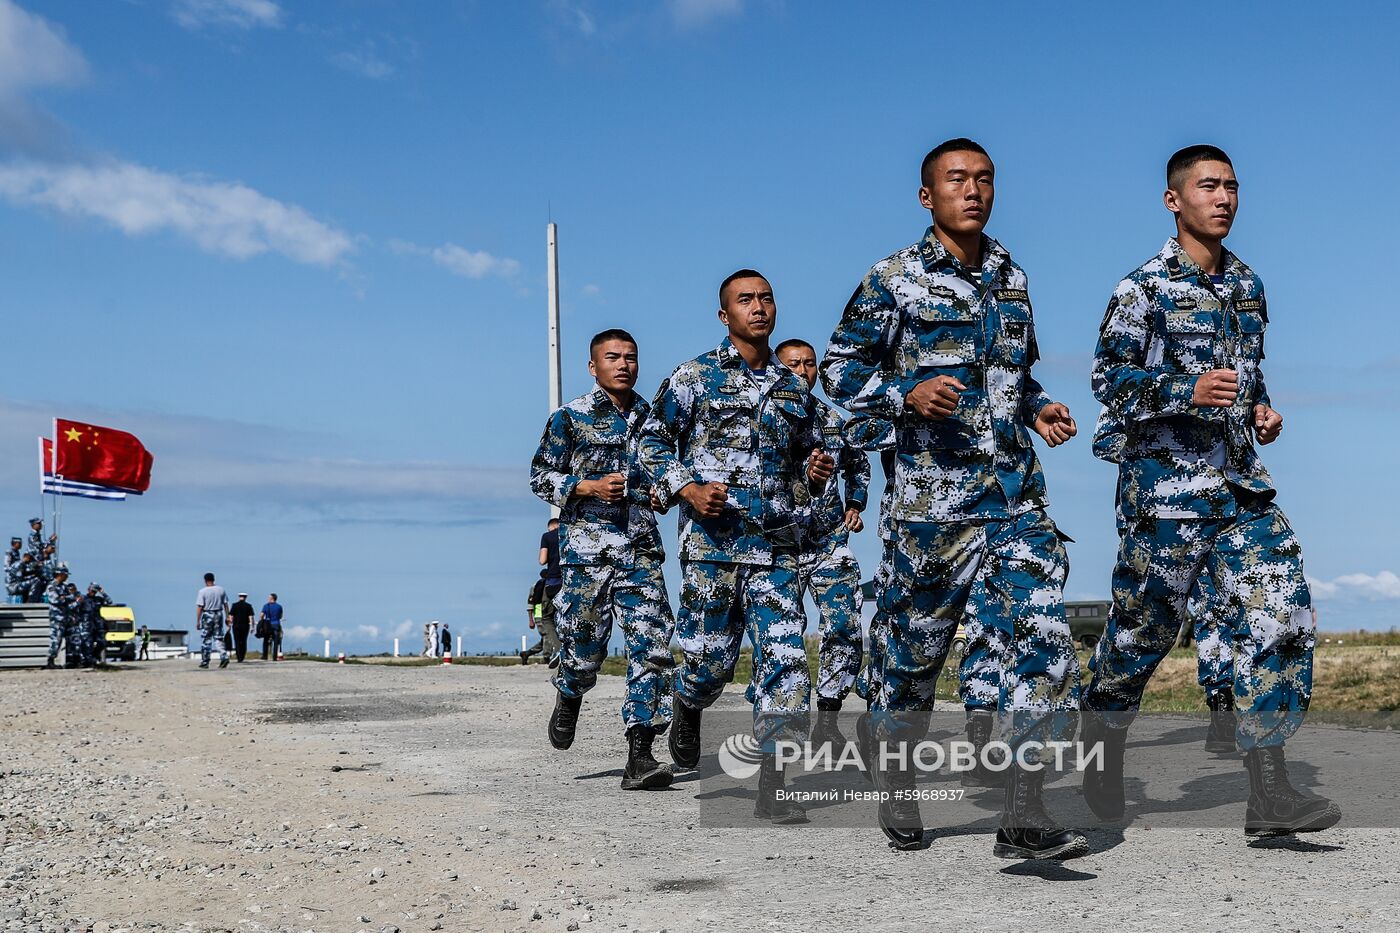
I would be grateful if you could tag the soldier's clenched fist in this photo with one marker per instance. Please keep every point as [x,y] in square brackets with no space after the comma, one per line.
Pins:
[1216,389]
[935,398]
[707,499]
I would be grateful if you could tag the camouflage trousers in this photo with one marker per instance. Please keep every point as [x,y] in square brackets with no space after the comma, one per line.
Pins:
[591,598]
[831,574]
[1011,573]
[59,631]
[211,630]
[719,603]
[867,685]
[1214,637]
[1255,563]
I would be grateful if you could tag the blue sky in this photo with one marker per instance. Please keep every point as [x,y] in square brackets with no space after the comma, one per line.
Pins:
[299,250]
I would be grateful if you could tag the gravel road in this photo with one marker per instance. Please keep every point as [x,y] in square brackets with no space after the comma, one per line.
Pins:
[304,796]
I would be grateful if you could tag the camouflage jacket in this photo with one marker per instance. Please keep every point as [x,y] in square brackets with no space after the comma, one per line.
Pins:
[588,439]
[1166,324]
[715,421]
[14,574]
[828,509]
[919,314]
[36,544]
[64,601]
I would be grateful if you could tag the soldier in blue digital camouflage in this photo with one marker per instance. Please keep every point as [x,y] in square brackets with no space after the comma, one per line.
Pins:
[611,556]
[733,437]
[1178,367]
[94,636]
[64,623]
[14,571]
[939,339]
[826,566]
[36,542]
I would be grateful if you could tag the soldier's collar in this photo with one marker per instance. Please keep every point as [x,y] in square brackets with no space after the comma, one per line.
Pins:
[932,252]
[1182,266]
[602,400]
[729,357]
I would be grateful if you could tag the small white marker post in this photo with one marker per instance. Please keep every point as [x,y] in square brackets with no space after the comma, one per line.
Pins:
[523,646]
[459,646]
[396,647]
[328,648]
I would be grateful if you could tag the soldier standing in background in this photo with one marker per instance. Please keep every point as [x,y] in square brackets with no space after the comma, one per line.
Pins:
[826,566]
[94,631]
[1178,370]
[63,601]
[733,436]
[610,555]
[36,539]
[241,621]
[14,571]
[31,579]
[210,613]
[940,339]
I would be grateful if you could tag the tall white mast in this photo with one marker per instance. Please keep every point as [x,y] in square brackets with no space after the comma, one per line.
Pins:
[556,388]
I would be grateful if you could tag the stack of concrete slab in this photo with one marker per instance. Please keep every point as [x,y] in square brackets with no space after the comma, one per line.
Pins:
[24,635]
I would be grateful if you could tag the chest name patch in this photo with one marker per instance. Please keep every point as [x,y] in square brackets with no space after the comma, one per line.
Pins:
[787,395]
[1012,294]
[1249,304]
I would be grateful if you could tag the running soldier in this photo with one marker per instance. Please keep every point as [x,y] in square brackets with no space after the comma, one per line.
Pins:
[611,556]
[939,339]
[826,566]
[1178,366]
[733,437]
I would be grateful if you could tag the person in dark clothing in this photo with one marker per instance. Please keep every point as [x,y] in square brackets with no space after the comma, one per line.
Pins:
[241,615]
[549,560]
[446,641]
[270,622]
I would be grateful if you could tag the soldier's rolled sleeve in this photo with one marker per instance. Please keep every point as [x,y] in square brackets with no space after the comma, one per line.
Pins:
[851,367]
[549,470]
[657,445]
[1121,381]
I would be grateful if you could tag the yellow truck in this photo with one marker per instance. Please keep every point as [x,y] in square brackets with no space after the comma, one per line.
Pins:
[119,636]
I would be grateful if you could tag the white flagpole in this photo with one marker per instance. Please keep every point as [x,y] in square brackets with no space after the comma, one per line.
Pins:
[556,387]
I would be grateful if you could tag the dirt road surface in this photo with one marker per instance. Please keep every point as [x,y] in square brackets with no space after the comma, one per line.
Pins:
[304,796]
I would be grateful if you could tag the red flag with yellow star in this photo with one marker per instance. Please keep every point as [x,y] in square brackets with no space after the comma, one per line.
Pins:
[89,453]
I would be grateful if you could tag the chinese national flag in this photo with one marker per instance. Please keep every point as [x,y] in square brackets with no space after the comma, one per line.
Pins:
[88,453]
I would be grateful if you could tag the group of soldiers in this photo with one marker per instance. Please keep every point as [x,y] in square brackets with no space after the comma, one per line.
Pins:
[932,357]
[33,574]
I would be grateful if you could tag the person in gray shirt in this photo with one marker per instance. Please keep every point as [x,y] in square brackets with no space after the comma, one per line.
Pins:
[210,613]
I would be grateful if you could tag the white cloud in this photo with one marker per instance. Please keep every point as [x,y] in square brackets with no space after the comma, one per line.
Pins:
[472,264]
[34,52]
[1384,585]
[591,290]
[312,631]
[575,16]
[688,13]
[364,61]
[237,14]
[223,218]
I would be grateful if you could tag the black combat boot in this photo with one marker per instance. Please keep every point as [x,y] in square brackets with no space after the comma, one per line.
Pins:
[1220,738]
[51,665]
[643,772]
[826,727]
[1027,831]
[685,735]
[979,733]
[524,656]
[865,744]
[770,804]
[900,819]
[223,662]
[1103,787]
[1276,807]
[563,722]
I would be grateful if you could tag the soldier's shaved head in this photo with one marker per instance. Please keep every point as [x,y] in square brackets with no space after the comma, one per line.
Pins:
[1183,159]
[960,144]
